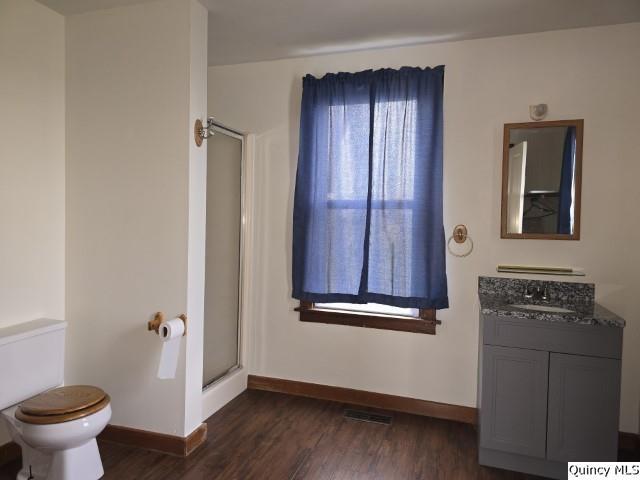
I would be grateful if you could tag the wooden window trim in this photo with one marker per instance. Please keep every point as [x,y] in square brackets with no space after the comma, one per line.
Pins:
[425,323]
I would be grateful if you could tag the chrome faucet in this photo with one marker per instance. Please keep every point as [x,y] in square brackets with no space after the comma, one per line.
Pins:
[537,293]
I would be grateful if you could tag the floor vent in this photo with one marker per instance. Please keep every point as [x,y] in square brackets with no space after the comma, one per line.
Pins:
[363,416]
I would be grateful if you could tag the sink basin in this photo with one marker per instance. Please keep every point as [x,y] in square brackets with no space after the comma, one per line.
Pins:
[544,308]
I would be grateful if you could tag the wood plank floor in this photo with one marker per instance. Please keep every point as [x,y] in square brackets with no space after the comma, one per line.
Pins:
[272,436]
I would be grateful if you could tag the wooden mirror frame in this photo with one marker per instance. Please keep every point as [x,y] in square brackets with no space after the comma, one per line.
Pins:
[579,125]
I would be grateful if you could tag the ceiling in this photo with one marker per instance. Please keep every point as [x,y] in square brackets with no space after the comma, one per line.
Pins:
[253,30]
[71,7]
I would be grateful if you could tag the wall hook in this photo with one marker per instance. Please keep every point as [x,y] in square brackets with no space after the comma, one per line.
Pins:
[460,233]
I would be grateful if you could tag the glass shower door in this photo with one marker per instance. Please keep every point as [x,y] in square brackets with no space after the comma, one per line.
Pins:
[223,255]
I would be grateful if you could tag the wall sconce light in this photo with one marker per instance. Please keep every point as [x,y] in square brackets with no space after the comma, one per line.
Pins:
[201,132]
[538,112]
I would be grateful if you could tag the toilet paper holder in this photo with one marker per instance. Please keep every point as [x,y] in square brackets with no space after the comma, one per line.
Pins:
[158,318]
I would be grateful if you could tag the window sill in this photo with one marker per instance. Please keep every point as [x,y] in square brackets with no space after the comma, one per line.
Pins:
[425,324]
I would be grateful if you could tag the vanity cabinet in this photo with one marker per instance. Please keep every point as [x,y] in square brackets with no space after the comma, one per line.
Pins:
[514,403]
[583,408]
[549,393]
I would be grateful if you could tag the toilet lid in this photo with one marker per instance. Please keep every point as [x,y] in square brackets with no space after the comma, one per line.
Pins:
[63,404]
[63,400]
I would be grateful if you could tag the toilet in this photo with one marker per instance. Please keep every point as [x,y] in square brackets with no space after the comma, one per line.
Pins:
[56,426]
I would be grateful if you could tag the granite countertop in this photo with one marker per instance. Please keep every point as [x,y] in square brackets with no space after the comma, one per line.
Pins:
[584,314]
[498,295]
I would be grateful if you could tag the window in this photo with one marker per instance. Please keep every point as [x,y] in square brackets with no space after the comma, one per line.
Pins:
[370,316]
[368,239]
[374,308]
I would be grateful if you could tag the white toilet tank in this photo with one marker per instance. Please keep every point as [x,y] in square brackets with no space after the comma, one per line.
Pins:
[31,359]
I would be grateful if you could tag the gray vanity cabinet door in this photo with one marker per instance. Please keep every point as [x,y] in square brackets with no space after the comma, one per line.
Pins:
[513,417]
[584,403]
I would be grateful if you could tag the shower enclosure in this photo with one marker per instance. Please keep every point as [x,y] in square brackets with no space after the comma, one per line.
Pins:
[224,255]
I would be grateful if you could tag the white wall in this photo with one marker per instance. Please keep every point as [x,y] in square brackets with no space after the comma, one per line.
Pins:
[32,149]
[130,89]
[197,215]
[585,73]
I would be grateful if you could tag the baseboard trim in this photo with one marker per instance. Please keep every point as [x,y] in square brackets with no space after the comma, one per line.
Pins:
[159,442]
[629,442]
[445,411]
[9,452]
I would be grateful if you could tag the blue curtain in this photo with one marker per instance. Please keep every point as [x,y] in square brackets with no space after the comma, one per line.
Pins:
[367,220]
[566,182]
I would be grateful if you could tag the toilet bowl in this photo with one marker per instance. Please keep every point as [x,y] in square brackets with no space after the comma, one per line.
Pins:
[57,431]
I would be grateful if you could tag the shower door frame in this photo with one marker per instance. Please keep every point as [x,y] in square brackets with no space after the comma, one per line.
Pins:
[224,130]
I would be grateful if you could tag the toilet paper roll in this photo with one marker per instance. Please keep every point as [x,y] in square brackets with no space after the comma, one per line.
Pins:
[170,332]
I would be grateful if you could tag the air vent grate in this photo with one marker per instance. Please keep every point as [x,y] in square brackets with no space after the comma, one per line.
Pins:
[371,417]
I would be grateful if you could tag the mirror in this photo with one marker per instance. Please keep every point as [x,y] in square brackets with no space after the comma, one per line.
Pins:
[541,180]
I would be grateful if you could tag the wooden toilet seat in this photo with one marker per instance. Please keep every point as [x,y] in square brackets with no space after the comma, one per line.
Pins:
[62,404]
